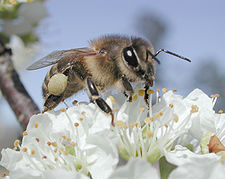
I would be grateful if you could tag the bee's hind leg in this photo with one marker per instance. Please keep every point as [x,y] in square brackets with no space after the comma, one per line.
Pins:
[51,102]
[98,100]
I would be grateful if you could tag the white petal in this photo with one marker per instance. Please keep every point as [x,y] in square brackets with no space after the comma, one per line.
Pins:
[135,169]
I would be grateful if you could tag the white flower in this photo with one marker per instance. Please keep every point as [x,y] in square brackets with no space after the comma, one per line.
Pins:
[148,137]
[136,168]
[22,54]
[65,143]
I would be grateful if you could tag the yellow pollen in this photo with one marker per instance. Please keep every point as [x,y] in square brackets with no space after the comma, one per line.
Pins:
[36,125]
[115,109]
[81,119]
[158,90]
[56,159]
[24,149]
[55,150]
[141,92]
[44,157]
[125,126]
[16,143]
[220,111]
[32,152]
[152,118]
[164,90]
[73,144]
[119,123]
[63,110]
[83,113]
[15,148]
[49,143]
[158,115]
[161,113]
[54,144]
[150,91]
[149,134]
[194,109]
[175,117]
[25,133]
[76,124]
[37,139]
[135,97]
[166,125]
[68,139]
[75,102]
[130,125]
[64,137]
[112,99]
[171,105]
[137,124]
[3,175]
[142,109]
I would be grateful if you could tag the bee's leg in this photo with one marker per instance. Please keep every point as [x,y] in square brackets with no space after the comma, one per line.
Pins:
[51,102]
[127,86]
[146,95]
[99,101]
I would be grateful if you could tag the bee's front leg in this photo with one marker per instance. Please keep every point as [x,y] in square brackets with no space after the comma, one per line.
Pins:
[127,86]
[146,95]
[99,101]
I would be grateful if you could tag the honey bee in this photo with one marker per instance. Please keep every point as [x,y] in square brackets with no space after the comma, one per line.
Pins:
[110,61]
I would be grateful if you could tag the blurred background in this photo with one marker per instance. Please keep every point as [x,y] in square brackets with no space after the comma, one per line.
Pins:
[194,29]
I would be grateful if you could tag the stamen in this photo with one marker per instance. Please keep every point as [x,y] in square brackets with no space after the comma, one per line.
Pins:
[112,99]
[119,123]
[16,143]
[75,102]
[3,175]
[220,111]
[142,109]
[150,91]
[37,139]
[135,97]
[149,134]
[33,152]
[36,125]
[76,124]
[171,105]
[164,90]
[215,145]
[54,144]
[63,110]
[81,119]
[175,117]
[25,133]
[24,149]
[194,109]
[141,92]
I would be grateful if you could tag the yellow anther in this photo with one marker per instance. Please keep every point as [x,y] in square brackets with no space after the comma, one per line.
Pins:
[142,109]
[33,152]
[149,134]
[56,159]
[119,123]
[130,125]
[161,113]
[15,148]
[29,0]
[83,113]
[24,149]
[112,99]
[166,125]
[37,139]
[164,90]
[3,175]
[64,137]
[54,144]
[66,152]
[25,133]
[76,124]
[55,150]
[141,92]
[36,125]
[115,109]
[125,126]
[81,119]
[150,91]
[134,98]
[49,143]
[158,115]
[220,111]
[63,110]
[16,143]
[158,90]
[147,119]
[171,105]
[137,124]
[175,117]
[194,109]
[68,139]
[215,96]
[75,102]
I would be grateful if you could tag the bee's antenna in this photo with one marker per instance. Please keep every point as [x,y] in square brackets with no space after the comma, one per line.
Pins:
[153,56]
[171,53]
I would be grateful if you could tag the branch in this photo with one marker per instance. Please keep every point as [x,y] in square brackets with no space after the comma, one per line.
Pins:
[13,89]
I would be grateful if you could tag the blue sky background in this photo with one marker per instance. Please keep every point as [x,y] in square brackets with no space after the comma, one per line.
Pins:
[196,29]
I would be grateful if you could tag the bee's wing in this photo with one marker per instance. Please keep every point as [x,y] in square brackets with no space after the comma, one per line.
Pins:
[57,55]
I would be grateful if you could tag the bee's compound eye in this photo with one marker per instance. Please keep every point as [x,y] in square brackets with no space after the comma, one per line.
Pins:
[130,57]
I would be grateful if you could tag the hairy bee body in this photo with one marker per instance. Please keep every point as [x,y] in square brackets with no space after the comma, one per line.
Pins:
[110,61]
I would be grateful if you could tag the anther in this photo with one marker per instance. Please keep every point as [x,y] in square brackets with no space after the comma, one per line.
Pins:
[112,99]
[75,102]
[36,125]
[24,149]
[194,109]
[141,92]
[164,90]
[220,111]
[54,144]
[171,105]
[119,123]
[16,143]
[142,109]
[63,110]
[135,97]
[76,124]
[25,133]
[37,139]
[150,91]
[33,152]
[175,117]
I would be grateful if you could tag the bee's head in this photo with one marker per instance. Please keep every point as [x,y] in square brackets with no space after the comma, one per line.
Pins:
[139,58]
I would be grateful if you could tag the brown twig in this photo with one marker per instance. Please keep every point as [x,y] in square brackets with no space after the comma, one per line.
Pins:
[13,89]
